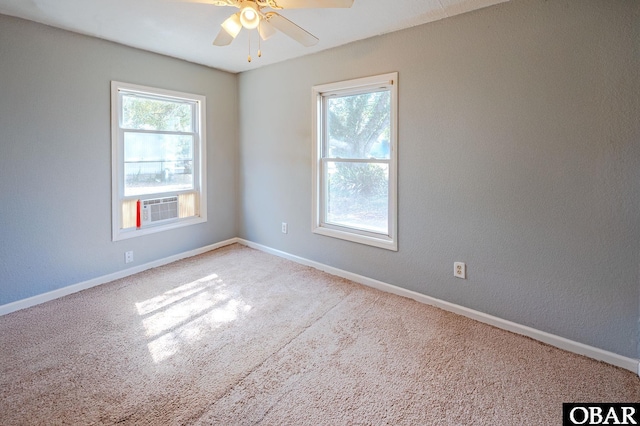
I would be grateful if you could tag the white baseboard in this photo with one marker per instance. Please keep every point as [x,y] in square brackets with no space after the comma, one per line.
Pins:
[74,288]
[551,339]
[542,336]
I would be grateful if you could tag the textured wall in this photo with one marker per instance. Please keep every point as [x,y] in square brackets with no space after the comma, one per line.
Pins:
[518,154]
[55,156]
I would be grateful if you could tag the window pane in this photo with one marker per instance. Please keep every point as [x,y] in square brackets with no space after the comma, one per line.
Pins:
[151,114]
[157,147]
[157,163]
[358,126]
[357,195]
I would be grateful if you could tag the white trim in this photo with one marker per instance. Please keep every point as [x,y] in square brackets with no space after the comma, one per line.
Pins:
[74,288]
[124,234]
[542,336]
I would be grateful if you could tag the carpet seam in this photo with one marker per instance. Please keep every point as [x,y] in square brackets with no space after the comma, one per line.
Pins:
[298,335]
[252,370]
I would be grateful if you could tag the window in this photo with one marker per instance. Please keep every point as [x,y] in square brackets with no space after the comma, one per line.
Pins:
[355,160]
[158,160]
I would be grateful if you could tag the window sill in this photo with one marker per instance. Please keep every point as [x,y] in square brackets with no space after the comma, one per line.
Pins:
[382,241]
[124,234]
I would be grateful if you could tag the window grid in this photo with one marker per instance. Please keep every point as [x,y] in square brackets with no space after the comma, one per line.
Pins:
[325,165]
[163,150]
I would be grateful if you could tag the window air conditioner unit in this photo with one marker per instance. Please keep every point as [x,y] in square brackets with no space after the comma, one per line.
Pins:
[158,210]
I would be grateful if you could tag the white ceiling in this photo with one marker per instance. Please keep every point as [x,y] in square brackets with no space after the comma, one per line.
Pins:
[185,29]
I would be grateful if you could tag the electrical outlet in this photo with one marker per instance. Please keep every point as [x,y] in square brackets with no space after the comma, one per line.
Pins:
[285,227]
[460,270]
[128,257]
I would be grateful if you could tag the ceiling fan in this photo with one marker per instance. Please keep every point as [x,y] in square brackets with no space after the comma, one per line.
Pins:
[251,16]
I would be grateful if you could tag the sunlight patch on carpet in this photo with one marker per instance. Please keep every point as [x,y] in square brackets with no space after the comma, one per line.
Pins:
[183,315]
[173,295]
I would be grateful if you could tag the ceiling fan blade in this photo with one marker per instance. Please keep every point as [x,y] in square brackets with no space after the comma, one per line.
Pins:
[292,30]
[265,29]
[313,4]
[223,38]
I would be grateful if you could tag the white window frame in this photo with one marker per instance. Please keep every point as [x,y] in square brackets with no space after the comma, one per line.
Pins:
[320,226]
[117,161]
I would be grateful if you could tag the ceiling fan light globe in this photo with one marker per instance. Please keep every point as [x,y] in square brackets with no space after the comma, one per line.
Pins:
[249,15]
[232,25]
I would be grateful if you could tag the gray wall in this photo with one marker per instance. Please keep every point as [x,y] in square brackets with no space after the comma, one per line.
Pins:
[55,156]
[518,154]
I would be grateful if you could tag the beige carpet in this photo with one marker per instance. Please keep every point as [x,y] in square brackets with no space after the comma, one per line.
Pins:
[240,337]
